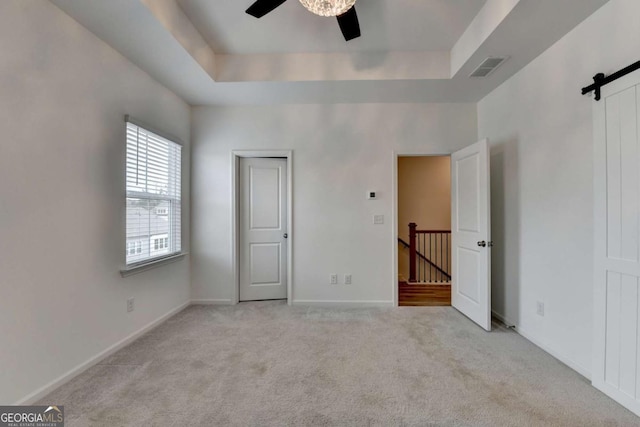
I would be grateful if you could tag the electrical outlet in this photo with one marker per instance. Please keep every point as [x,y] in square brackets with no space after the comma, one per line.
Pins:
[334,279]
[540,308]
[130,305]
[347,279]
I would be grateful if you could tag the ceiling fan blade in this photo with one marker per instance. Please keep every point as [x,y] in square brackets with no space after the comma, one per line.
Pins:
[262,7]
[349,24]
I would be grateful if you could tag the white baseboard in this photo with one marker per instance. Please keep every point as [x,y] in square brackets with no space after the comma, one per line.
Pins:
[48,388]
[344,304]
[529,337]
[211,302]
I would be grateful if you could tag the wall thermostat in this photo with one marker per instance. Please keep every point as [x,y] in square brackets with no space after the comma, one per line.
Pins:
[371,195]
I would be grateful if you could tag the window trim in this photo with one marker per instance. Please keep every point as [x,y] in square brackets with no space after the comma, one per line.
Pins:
[151,263]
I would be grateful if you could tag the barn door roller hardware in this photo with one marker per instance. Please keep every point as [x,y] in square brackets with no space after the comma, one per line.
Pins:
[600,80]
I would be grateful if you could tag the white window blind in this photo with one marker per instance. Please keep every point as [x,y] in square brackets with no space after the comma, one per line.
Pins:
[153,196]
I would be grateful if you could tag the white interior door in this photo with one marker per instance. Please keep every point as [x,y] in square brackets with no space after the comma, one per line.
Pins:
[616,359]
[263,222]
[471,233]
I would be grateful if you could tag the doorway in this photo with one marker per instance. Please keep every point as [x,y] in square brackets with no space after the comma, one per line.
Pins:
[262,215]
[424,230]
[470,242]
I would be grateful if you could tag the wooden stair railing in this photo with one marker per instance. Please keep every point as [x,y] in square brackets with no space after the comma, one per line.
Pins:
[435,247]
[425,259]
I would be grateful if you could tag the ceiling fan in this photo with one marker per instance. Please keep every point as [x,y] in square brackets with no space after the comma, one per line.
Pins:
[343,10]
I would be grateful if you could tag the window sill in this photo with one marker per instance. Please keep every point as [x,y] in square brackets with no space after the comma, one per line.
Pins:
[139,268]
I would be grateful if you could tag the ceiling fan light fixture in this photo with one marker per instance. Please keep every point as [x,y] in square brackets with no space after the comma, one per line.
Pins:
[328,7]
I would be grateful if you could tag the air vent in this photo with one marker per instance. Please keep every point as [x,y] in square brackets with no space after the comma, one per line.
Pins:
[488,66]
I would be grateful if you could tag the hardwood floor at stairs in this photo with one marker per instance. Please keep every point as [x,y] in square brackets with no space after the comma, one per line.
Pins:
[423,295]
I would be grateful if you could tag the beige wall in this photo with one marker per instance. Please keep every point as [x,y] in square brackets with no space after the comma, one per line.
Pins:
[424,197]
[424,193]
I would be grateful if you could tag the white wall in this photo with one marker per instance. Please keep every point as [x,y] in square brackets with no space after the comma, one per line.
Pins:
[542,179]
[340,153]
[63,96]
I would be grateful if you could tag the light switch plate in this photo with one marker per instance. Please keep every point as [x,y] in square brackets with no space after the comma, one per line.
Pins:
[378,219]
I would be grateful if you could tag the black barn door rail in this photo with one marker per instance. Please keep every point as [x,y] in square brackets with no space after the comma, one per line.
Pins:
[601,80]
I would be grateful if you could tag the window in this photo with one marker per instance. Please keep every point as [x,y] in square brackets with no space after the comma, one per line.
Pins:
[134,247]
[153,196]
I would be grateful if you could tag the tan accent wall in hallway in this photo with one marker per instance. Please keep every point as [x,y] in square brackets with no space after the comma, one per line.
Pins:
[424,197]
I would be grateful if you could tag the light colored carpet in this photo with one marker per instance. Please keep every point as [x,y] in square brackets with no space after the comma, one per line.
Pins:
[267,364]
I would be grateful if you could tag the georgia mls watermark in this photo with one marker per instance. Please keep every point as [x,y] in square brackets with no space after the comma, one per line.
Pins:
[31,416]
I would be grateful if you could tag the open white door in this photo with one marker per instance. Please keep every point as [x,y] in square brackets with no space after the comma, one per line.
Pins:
[616,359]
[471,233]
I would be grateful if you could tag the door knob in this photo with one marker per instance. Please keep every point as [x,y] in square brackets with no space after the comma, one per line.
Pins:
[482,243]
[285,235]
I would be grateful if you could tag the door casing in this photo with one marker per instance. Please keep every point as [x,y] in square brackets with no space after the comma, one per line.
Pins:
[236,155]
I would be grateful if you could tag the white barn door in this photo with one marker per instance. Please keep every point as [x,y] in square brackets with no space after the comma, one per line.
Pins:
[616,358]
[471,233]
[263,229]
